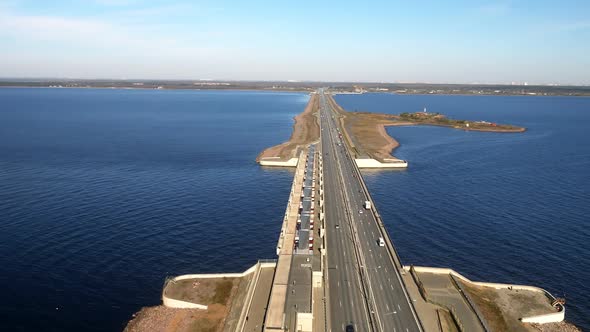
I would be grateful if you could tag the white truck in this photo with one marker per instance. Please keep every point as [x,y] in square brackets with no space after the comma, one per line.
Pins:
[367,205]
[381,242]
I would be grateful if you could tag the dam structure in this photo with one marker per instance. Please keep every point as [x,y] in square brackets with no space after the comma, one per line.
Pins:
[338,270]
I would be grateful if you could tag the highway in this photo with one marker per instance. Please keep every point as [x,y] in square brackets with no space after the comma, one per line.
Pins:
[364,285]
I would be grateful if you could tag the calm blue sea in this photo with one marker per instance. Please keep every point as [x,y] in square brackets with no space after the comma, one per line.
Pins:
[103,193]
[511,208]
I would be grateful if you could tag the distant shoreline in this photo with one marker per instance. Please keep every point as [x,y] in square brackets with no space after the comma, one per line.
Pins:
[149,89]
[464,94]
[288,86]
[284,90]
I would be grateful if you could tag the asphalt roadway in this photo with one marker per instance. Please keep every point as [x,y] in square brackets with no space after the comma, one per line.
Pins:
[364,286]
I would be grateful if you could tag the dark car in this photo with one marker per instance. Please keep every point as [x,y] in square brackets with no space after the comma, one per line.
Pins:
[349,328]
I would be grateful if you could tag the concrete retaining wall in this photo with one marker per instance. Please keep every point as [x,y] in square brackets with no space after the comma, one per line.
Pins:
[222,275]
[553,317]
[275,161]
[373,163]
[442,270]
[547,318]
[173,303]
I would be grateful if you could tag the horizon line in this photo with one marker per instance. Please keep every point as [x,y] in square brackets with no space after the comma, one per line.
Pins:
[290,81]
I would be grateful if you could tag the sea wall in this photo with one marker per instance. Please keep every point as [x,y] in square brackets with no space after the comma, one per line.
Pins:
[276,161]
[373,163]
[553,317]
[546,318]
[174,303]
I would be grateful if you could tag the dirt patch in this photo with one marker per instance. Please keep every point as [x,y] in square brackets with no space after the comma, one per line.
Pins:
[202,291]
[555,327]
[237,302]
[216,293]
[486,301]
[370,136]
[503,308]
[305,131]
[163,319]
[222,291]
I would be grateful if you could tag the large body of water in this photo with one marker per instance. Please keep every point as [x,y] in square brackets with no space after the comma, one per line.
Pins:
[105,192]
[511,208]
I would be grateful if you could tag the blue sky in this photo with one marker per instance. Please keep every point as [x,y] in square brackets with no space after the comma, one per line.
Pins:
[539,42]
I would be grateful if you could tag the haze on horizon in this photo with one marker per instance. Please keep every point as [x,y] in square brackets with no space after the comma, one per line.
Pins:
[538,42]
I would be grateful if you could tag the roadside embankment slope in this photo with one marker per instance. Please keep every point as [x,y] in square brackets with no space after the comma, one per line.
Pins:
[305,131]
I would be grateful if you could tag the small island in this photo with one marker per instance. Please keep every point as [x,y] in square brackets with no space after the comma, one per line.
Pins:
[365,134]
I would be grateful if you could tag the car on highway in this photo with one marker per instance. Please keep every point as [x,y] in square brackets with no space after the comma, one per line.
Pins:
[337,225]
[360,211]
[349,328]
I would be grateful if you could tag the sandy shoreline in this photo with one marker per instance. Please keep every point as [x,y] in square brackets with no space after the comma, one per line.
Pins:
[368,134]
[305,130]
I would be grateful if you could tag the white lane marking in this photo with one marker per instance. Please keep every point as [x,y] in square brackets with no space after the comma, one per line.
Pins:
[399,308]
[340,304]
[391,286]
[387,306]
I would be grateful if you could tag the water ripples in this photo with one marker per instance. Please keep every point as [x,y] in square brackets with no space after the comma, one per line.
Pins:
[98,205]
[496,207]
